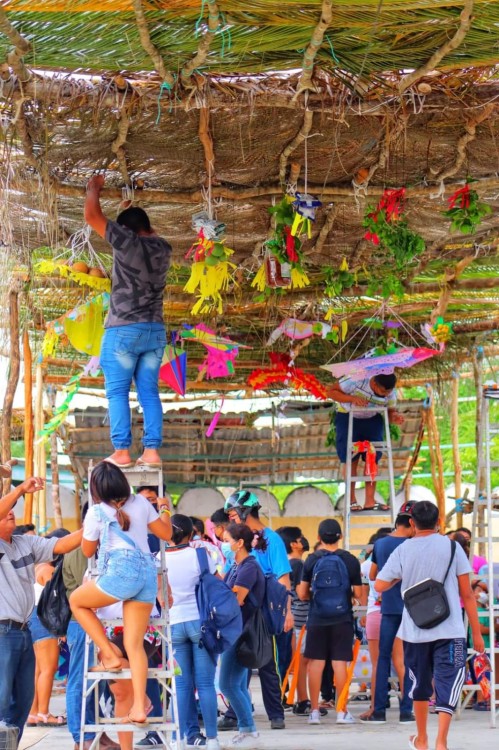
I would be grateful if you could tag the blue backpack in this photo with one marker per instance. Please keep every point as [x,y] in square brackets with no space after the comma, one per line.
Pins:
[275,604]
[219,610]
[331,587]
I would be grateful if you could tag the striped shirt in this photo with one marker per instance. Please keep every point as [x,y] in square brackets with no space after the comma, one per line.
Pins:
[362,389]
[17,574]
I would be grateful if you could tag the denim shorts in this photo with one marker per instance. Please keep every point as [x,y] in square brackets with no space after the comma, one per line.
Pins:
[38,631]
[128,575]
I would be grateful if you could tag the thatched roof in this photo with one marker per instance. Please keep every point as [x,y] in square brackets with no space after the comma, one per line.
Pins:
[180,90]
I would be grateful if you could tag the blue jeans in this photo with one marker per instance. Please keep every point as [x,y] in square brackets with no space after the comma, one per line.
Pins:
[133,352]
[17,676]
[234,685]
[388,631]
[198,672]
[74,689]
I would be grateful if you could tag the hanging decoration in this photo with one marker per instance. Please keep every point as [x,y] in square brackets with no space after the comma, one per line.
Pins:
[83,326]
[305,207]
[368,366]
[81,263]
[388,230]
[282,372]
[221,350]
[466,211]
[366,447]
[337,280]
[173,370]
[438,333]
[283,264]
[299,329]
[60,412]
[211,271]
[212,426]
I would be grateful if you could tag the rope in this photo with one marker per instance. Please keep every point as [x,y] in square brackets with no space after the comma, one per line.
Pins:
[164,87]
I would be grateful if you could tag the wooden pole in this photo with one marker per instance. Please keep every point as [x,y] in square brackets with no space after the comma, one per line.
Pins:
[41,466]
[456,456]
[12,380]
[54,466]
[28,424]
[436,461]
[78,490]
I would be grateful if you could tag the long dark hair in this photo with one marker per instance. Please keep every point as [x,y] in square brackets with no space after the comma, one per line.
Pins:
[250,539]
[109,485]
[181,527]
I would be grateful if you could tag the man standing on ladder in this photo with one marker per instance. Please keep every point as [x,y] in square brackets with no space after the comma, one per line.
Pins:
[135,338]
[368,424]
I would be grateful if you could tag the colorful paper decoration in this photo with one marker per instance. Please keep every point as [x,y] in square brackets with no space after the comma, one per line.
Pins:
[208,337]
[365,446]
[61,412]
[173,370]
[305,206]
[299,329]
[49,267]
[367,367]
[83,325]
[282,372]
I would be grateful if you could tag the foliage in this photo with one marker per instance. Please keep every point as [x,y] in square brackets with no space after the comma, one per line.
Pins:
[466,211]
[395,237]
[336,280]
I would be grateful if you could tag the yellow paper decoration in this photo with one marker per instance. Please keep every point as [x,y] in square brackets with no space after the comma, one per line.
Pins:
[299,279]
[86,329]
[49,342]
[208,282]
[48,267]
[260,280]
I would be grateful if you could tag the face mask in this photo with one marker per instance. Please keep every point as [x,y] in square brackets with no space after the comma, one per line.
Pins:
[483,598]
[226,550]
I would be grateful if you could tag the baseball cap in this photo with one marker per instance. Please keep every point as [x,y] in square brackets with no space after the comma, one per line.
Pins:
[329,530]
[406,508]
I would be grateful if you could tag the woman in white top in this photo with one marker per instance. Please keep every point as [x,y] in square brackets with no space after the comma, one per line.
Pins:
[196,664]
[118,523]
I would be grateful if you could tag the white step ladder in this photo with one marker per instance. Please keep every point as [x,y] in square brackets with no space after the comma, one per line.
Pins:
[164,675]
[384,446]
[482,531]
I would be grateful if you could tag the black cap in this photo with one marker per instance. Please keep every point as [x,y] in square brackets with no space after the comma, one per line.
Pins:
[406,508]
[329,530]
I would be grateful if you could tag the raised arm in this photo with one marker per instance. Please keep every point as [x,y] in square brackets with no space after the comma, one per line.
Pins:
[93,211]
[7,502]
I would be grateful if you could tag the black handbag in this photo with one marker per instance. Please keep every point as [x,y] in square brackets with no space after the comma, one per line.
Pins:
[53,607]
[254,646]
[426,601]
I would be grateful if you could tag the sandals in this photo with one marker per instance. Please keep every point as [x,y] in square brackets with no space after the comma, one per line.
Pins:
[376,507]
[128,465]
[32,720]
[44,720]
[356,508]
[140,463]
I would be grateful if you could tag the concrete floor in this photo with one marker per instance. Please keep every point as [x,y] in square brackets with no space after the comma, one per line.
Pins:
[471,731]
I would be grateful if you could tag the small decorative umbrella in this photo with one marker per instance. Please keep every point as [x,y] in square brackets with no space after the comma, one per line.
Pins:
[173,370]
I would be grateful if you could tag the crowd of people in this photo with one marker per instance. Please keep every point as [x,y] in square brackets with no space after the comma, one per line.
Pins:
[332,599]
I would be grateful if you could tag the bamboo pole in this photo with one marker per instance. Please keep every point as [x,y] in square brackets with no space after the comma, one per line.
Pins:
[456,456]
[480,475]
[28,424]
[54,465]
[436,461]
[12,381]
[40,461]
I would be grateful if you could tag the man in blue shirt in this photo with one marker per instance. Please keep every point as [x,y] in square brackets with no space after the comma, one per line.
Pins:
[392,606]
[243,507]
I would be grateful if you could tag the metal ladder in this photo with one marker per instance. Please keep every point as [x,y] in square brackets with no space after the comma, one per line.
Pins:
[482,531]
[164,675]
[384,446]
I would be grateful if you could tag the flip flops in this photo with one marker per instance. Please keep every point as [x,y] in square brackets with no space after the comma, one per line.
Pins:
[376,507]
[101,667]
[356,508]
[140,463]
[44,720]
[128,465]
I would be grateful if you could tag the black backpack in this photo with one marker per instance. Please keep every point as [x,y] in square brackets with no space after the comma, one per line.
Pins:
[53,607]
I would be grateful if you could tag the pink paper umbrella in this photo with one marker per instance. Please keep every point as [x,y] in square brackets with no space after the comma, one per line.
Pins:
[368,367]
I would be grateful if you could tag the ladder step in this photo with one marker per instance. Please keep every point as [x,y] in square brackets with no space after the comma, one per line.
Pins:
[126,674]
[142,475]
[377,478]
[117,725]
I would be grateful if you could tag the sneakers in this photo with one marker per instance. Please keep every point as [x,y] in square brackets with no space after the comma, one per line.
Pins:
[302,708]
[407,718]
[152,739]
[374,718]
[246,739]
[199,740]
[213,744]
[226,724]
[315,717]
[344,717]
[286,706]
[277,724]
